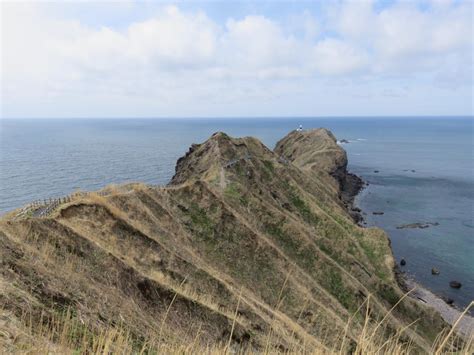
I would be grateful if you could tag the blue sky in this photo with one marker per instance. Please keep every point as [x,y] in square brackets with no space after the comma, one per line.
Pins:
[228,59]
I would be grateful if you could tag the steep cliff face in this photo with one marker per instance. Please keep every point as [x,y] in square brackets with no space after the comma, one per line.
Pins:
[245,245]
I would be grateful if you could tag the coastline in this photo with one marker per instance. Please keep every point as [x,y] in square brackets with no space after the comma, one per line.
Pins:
[352,186]
[190,200]
[450,314]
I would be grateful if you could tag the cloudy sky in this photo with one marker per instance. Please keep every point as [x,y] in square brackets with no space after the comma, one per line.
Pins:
[234,59]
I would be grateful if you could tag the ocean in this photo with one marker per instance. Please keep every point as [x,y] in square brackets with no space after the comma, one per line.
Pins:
[425,173]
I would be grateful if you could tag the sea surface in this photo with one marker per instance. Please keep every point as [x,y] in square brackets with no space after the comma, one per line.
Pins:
[425,173]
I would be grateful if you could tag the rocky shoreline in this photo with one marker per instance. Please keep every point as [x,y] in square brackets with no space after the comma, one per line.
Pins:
[351,185]
[350,188]
[450,314]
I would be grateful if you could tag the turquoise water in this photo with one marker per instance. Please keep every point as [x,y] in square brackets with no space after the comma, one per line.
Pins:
[52,158]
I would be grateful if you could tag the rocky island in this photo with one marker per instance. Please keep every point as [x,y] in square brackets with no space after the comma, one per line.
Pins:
[246,249]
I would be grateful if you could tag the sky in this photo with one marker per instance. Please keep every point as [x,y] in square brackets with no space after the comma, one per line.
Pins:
[236,58]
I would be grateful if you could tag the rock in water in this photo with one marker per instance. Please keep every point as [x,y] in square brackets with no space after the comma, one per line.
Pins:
[420,225]
[455,284]
[378,213]
[434,271]
[403,262]
[448,300]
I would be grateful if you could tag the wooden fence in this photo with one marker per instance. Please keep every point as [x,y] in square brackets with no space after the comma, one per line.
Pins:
[44,207]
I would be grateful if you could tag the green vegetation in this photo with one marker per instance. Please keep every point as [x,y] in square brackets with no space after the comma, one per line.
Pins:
[302,254]
[239,168]
[232,191]
[269,166]
[375,256]
[389,294]
[336,287]
[303,208]
[201,221]
[343,222]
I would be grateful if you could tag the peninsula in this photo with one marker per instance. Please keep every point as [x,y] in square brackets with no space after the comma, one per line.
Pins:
[246,249]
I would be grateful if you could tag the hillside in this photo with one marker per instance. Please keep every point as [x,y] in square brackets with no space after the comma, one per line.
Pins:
[246,248]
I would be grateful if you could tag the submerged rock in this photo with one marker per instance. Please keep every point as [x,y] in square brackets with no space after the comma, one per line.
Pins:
[421,225]
[378,213]
[403,262]
[455,284]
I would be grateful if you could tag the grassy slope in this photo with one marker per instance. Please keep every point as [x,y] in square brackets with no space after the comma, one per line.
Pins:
[160,267]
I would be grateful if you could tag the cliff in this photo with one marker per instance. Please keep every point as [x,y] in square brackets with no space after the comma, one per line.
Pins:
[245,248]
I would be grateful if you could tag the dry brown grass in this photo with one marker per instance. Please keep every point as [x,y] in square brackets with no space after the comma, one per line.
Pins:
[97,251]
[65,333]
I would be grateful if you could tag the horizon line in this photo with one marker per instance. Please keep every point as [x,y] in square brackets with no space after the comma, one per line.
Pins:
[235,117]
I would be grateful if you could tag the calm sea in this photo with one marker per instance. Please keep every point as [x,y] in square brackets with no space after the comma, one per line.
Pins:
[51,158]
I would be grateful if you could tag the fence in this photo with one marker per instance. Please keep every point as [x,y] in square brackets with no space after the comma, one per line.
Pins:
[44,207]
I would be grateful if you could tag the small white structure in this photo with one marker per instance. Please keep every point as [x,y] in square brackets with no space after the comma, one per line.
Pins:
[300,128]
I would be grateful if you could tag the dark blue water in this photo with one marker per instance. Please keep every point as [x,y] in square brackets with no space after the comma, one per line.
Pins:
[52,158]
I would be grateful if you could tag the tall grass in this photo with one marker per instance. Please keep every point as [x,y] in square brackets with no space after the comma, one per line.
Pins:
[66,333]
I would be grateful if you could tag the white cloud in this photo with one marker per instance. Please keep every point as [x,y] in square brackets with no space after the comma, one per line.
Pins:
[355,18]
[175,38]
[304,24]
[174,58]
[404,33]
[332,56]
[256,42]
[171,40]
